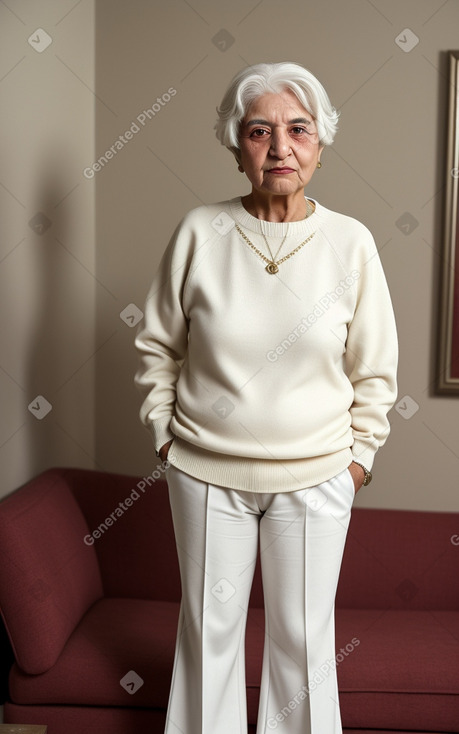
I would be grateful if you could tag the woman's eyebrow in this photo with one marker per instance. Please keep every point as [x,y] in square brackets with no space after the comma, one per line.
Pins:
[295,121]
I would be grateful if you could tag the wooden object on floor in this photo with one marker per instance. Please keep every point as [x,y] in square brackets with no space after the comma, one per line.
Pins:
[23,729]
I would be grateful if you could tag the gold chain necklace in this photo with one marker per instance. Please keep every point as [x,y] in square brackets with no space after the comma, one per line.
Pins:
[273,266]
[273,257]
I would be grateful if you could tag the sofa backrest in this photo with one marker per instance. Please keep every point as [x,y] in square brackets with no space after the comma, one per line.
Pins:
[73,535]
[48,577]
[400,559]
[131,530]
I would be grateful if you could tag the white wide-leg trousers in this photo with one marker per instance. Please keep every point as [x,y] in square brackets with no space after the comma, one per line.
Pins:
[302,536]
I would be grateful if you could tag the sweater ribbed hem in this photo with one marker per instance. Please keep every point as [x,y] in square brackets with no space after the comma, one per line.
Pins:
[255,475]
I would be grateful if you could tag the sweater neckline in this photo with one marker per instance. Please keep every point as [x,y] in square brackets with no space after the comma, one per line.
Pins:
[273,229]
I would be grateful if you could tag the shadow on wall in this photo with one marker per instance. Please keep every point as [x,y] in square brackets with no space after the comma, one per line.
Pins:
[61,326]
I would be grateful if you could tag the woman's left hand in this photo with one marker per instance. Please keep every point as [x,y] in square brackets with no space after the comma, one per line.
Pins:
[357,474]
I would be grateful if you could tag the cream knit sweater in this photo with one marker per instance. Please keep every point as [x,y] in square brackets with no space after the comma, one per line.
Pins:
[267,383]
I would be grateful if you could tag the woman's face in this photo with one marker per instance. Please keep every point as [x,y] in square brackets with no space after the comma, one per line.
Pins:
[279,144]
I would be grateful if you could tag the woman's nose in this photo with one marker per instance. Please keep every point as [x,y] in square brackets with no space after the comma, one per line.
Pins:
[280,144]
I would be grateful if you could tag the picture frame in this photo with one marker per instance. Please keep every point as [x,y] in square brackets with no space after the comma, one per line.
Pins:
[448,355]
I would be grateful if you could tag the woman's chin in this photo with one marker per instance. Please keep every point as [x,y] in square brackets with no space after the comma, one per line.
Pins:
[281,187]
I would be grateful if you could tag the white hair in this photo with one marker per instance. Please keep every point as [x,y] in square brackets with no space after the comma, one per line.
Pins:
[254,81]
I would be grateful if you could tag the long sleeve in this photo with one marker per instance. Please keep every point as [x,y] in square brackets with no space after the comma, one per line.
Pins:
[371,359]
[161,343]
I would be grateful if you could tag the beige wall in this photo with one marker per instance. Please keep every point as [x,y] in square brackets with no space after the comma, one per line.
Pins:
[47,281]
[387,160]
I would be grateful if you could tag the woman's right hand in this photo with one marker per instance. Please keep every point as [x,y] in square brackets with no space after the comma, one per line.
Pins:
[164,450]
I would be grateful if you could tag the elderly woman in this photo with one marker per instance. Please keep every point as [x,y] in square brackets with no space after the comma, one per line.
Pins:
[268,359]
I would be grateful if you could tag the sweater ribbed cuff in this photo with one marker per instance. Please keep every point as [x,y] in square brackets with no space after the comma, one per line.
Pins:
[364,453]
[161,432]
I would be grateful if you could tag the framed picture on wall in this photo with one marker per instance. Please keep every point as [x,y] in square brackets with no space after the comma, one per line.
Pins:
[448,363]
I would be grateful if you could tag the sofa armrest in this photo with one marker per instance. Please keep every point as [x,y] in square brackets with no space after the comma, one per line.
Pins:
[48,577]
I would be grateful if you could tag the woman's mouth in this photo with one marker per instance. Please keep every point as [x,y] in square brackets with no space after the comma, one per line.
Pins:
[281,171]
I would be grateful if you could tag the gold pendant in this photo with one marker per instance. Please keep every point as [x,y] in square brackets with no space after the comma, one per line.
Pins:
[272,268]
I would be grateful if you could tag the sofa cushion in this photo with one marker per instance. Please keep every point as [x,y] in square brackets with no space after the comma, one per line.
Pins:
[48,576]
[396,669]
[115,637]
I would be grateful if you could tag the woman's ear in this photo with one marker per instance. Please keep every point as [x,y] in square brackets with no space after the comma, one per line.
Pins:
[319,164]
[237,154]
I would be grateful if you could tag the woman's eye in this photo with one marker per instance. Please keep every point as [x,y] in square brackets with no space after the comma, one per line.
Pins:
[299,130]
[259,133]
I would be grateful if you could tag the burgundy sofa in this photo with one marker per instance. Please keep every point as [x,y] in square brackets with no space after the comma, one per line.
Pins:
[92,616]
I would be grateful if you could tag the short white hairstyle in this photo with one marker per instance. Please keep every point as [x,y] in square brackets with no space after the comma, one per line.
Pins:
[254,81]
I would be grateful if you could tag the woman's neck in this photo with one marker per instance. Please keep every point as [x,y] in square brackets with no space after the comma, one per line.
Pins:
[276,208]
